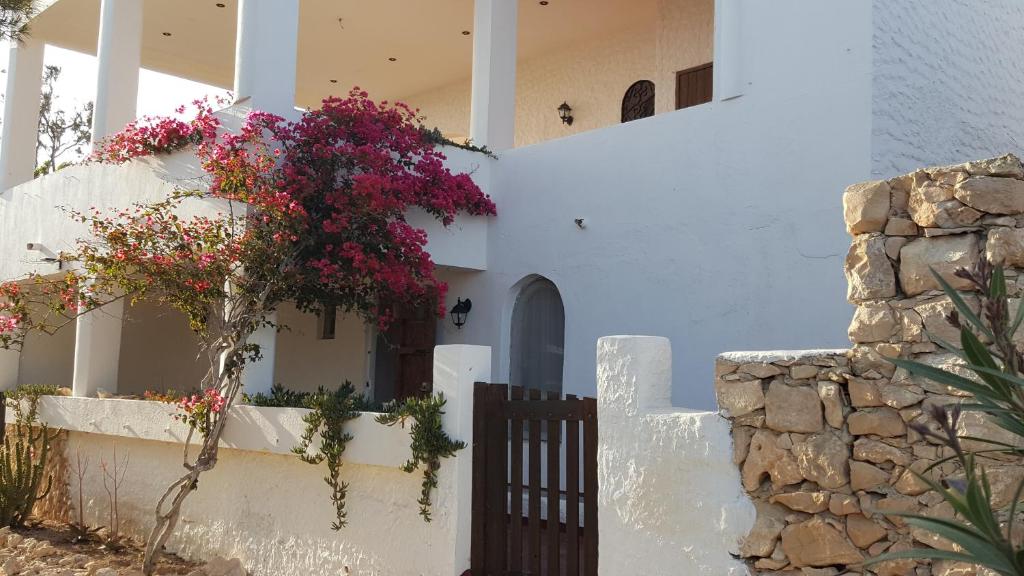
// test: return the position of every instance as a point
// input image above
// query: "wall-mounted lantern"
(461, 311)
(565, 113)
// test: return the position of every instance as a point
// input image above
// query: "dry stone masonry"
(824, 439)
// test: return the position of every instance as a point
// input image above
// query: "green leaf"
(940, 376)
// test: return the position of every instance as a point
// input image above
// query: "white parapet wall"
(262, 504)
(670, 500)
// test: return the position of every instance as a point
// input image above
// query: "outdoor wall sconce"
(460, 311)
(565, 113)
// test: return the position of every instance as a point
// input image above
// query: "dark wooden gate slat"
(477, 551)
(534, 463)
(590, 487)
(497, 455)
(572, 494)
(554, 426)
(516, 491)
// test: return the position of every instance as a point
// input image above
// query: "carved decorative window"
(638, 101)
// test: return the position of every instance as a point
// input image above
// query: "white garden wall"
(266, 507)
(669, 500)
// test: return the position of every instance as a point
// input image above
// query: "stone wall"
(823, 438)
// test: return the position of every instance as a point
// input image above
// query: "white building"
(717, 224)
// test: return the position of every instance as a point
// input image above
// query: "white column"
(492, 120)
(259, 376)
(98, 350)
(266, 50)
(457, 368)
(21, 113)
(119, 53)
(9, 363)
(728, 72)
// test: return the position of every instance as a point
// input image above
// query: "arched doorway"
(537, 337)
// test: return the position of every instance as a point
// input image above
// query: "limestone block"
(765, 457)
(866, 207)
(869, 273)
(900, 227)
(863, 393)
(933, 206)
(823, 458)
(899, 397)
(883, 421)
(792, 408)
(897, 503)
(1005, 246)
(760, 369)
(933, 316)
(816, 543)
(803, 372)
(872, 322)
(863, 532)
(1006, 165)
(864, 476)
(843, 504)
(739, 398)
(768, 525)
(832, 398)
(944, 254)
(893, 245)
(809, 502)
(868, 450)
(991, 194)
(909, 482)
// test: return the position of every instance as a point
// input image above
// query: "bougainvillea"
(314, 214)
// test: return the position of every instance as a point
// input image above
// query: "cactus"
(23, 460)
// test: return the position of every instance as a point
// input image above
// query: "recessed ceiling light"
(465, 32)
(220, 4)
(167, 33)
(392, 59)
(333, 81)
(543, 2)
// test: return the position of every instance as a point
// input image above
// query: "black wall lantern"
(460, 311)
(565, 113)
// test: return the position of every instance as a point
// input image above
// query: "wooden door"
(414, 335)
(694, 86)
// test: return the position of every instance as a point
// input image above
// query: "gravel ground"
(50, 550)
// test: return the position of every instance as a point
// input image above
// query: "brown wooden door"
(414, 335)
(694, 86)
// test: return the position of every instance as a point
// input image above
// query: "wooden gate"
(531, 472)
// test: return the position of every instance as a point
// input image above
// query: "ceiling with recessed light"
(393, 48)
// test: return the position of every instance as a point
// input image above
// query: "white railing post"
(21, 113)
(456, 369)
(119, 56)
(266, 51)
(492, 120)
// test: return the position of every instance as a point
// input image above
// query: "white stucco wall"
(947, 82)
(271, 510)
(719, 226)
(591, 76)
(158, 352)
(303, 361)
(670, 500)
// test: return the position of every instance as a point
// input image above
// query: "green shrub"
(23, 456)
